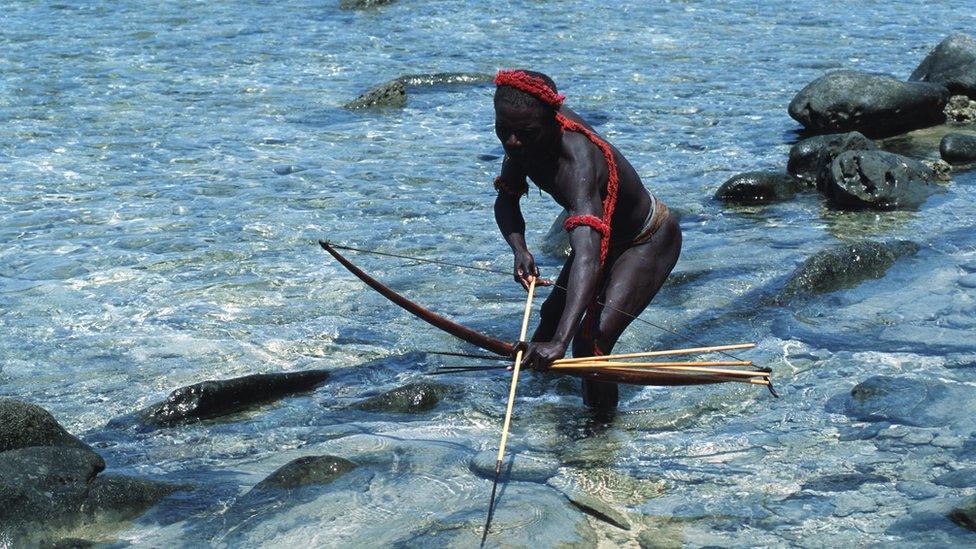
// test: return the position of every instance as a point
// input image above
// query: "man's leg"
(631, 282)
(552, 307)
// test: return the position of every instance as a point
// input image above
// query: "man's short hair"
(520, 99)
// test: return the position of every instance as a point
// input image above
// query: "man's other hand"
(540, 355)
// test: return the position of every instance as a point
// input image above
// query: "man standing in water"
(624, 242)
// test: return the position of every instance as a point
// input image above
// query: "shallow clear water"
(153, 236)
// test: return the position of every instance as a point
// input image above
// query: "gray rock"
(121, 498)
(362, 4)
(878, 180)
(411, 398)
(810, 158)
(306, 470)
(446, 78)
(958, 148)
(850, 503)
(898, 400)
(517, 467)
(392, 94)
(952, 64)
(963, 478)
(288, 169)
(67, 543)
(757, 188)
(44, 487)
(873, 104)
(556, 241)
(23, 424)
(941, 169)
(599, 509)
(916, 489)
(965, 515)
(211, 399)
(844, 266)
(961, 109)
(842, 482)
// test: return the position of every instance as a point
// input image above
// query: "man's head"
(526, 103)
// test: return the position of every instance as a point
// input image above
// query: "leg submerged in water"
(632, 281)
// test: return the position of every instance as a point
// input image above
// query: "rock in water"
(965, 515)
(598, 508)
(878, 180)
(757, 188)
(556, 241)
(914, 402)
(120, 498)
(23, 424)
(411, 398)
(306, 470)
(844, 266)
(391, 94)
(810, 158)
(517, 467)
(952, 64)
(873, 104)
(958, 148)
(211, 399)
(961, 109)
(362, 4)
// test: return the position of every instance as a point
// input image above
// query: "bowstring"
(506, 273)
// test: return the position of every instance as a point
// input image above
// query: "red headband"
(531, 85)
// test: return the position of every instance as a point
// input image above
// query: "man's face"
(525, 131)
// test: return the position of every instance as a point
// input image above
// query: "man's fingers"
(543, 282)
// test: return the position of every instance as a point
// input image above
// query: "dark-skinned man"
(624, 241)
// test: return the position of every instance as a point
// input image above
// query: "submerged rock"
(941, 169)
(958, 148)
(844, 266)
(362, 4)
(23, 424)
(517, 467)
(411, 398)
(810, 158)
(121, 498)
(757, 188)
(965, 515)
(391, 94)
(961, 109)
(873, 104)
(878, 180)
(842, 482)
(962, 478)
(306, 470)
(952, 64)
(211, 399)
(599, 509)
(899, 400)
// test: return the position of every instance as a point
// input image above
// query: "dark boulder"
(23, 424)
(119, 498)
(810, 158)
(758, 188)
(952, 64)
(913, 402)
(844, 266)
(306, 470)
(211, 399)
(842, 482)
(411, 398)
(392, 94)
(965, 515)
(873, 104)
(446, 78)
(878, 180)
(960, 478)
(958, 148)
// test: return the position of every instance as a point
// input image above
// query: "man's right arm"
(508, 216)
